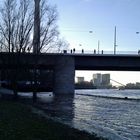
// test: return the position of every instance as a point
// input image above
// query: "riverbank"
(17, 121)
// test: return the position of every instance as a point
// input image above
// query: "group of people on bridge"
(82, 51)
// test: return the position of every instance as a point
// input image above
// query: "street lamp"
(115, 36)
(98, 43)
(138, 49)
(98, 46)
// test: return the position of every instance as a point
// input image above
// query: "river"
(113, 114)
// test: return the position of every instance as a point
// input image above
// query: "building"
(97, 79)
(80, 79)
(101, 80)
(105, 79)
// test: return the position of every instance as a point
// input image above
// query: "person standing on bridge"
(102, 51)
(138, 51)
(73, 50)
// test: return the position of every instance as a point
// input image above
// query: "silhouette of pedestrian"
(138, 51)
(82, 51)
(73, 50)
(94, 51)
(102, 51)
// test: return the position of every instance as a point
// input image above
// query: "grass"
(17, 122)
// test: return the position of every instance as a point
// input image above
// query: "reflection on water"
(60, 107)
(46, 98)
(108, 117)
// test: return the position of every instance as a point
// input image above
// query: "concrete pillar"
(64, 75)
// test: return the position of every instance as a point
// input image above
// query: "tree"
(16, 26)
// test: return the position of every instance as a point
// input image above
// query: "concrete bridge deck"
(124, 62)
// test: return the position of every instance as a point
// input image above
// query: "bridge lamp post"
(98, 41)
(115, 40)
(138, 34)
(90, 31)
(98, 46)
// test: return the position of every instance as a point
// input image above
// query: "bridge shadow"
(60, 108)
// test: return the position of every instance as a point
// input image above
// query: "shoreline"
(109, 97)
(29, 112)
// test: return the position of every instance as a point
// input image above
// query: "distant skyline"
(120, 76)
(78, 17)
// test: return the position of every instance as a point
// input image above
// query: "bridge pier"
(64, 73)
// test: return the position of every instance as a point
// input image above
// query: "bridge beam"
(64, 73)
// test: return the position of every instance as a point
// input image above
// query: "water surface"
(105, 112)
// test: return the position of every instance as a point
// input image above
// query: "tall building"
(101, 80)
(97, 79)
(105, 79)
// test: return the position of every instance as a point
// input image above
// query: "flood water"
(105, 112)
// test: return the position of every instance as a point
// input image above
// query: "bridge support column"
(64, 73)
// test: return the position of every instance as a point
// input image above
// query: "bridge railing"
(68, 51)
(101, 52)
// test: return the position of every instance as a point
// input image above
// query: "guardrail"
(74, 51)
(101, 52)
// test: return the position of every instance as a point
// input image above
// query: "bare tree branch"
(16, 26)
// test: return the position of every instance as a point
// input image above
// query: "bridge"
(118, 82)
(65, 64)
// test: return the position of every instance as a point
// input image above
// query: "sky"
(78, 17)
